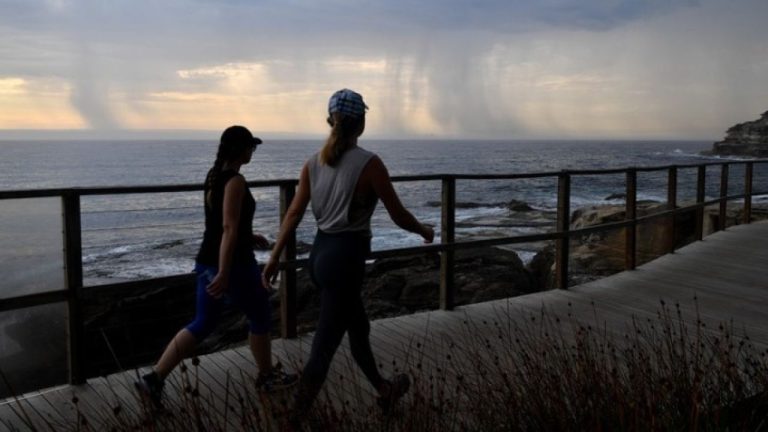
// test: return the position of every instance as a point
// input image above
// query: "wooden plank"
(345, 382)
(211, 378)
(639, 285)
(563, 225)
(105, 393)
(29, 412)
(395, 342)
(44, 401)
(645, 278)
(669, 282)
(448, 236)
(726, 286)
(288, 286)
(103, 401)
(711, 311)
(73, 275)
(709, 270)
(751, 249)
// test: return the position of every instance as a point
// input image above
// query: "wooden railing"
(562, 236)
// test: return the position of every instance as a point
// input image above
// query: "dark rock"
(388, 287)
(616, 196)
(601, 254)
(518, 206)
(460, 205)
(541, 267)
(602, 214)
(387, 265)
(491, 273)
(744, 139)
(420, 294)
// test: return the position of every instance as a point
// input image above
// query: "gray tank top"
(332, 191)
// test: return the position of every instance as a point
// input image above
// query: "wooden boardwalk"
(722, 279)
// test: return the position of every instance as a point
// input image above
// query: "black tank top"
(214, 221)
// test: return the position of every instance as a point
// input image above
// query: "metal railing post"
(73, 270)
(563, 244)
(288, 325)
(447, 236)
(671, 205)
(630, 232)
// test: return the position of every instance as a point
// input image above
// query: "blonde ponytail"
(344, 132)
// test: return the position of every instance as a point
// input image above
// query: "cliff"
(745, 139)
(597, 255)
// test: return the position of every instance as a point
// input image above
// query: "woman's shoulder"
(229, 176)
(361, 156)
(313, 159)
(374, 167)
(363, 151)
(312, 163)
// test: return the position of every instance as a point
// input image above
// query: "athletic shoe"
(276, 379)
(397, 388)
(150, 387)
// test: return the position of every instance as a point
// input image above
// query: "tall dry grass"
(507, 373)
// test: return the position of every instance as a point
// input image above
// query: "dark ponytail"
(234, 141)
(213, 174)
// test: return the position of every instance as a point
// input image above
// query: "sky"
(453, 69)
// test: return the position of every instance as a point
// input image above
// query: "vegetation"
(539, 372)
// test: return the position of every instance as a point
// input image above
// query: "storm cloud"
(445, 67)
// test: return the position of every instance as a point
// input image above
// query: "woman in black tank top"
(227, 272)
(337, 260)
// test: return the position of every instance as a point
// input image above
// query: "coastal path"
(719, 281)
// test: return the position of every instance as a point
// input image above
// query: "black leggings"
(337, 268)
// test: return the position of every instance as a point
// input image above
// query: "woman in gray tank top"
(344, 183)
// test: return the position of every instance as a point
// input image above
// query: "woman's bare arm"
(233, 198)
(292, 218)
(379, 179)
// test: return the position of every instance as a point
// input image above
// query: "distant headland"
(744, 139)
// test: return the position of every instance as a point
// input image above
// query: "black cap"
(239, 135)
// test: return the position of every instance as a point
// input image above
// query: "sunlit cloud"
(375, 67)
(253, 93)
(12, 86)
(229, 71)
(36, 104)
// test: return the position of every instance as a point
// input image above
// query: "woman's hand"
(428, 233)
(269, 274)
(260, 242)
(218, 285)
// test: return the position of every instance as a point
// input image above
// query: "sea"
(141, 236)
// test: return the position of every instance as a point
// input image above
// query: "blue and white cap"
(348, 102)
